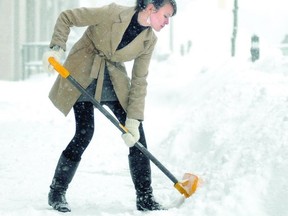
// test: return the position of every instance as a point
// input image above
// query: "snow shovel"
(190, 181)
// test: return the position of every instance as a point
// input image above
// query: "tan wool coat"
(97, 48)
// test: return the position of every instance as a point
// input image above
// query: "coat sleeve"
(79, 17)
(138, 89)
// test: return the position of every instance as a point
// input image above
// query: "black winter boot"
(64, 173)
(141, 176)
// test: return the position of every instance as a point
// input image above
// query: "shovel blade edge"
(188, 185)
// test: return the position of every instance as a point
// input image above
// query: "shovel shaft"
(65, 74)
(97, 104)
(156, 162)
(122, 129)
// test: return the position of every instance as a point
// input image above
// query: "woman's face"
(160, 18)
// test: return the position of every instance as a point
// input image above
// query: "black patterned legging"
(84, 118)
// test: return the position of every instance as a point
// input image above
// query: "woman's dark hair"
(142, 4)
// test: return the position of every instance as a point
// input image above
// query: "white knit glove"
(57, 54)
(133, 135)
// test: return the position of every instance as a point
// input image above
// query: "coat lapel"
(119, 27)
(134, 48)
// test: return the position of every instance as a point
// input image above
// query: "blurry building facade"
(26, 29)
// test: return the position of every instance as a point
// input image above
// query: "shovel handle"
(65, 74)
(58, 67)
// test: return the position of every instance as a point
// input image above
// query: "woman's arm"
(78, 17)
(138, 89)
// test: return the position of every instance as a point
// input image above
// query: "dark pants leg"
(139, 166)
(84, 118)
(71, 156)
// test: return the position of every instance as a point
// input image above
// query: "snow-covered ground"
(224, 119)
(226, 122)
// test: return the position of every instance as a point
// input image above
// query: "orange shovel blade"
(188, 185)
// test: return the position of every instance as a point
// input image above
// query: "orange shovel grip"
(58, 67)
(123, 128)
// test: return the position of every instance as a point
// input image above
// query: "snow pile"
(229, 126)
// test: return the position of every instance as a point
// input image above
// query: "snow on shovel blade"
(188, 185)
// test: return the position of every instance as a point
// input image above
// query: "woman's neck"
(142, 18)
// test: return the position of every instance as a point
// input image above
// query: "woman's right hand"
(57, 53)
(133, 135)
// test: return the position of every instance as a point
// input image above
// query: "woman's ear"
(150, 8)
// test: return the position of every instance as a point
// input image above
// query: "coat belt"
(97, 71)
